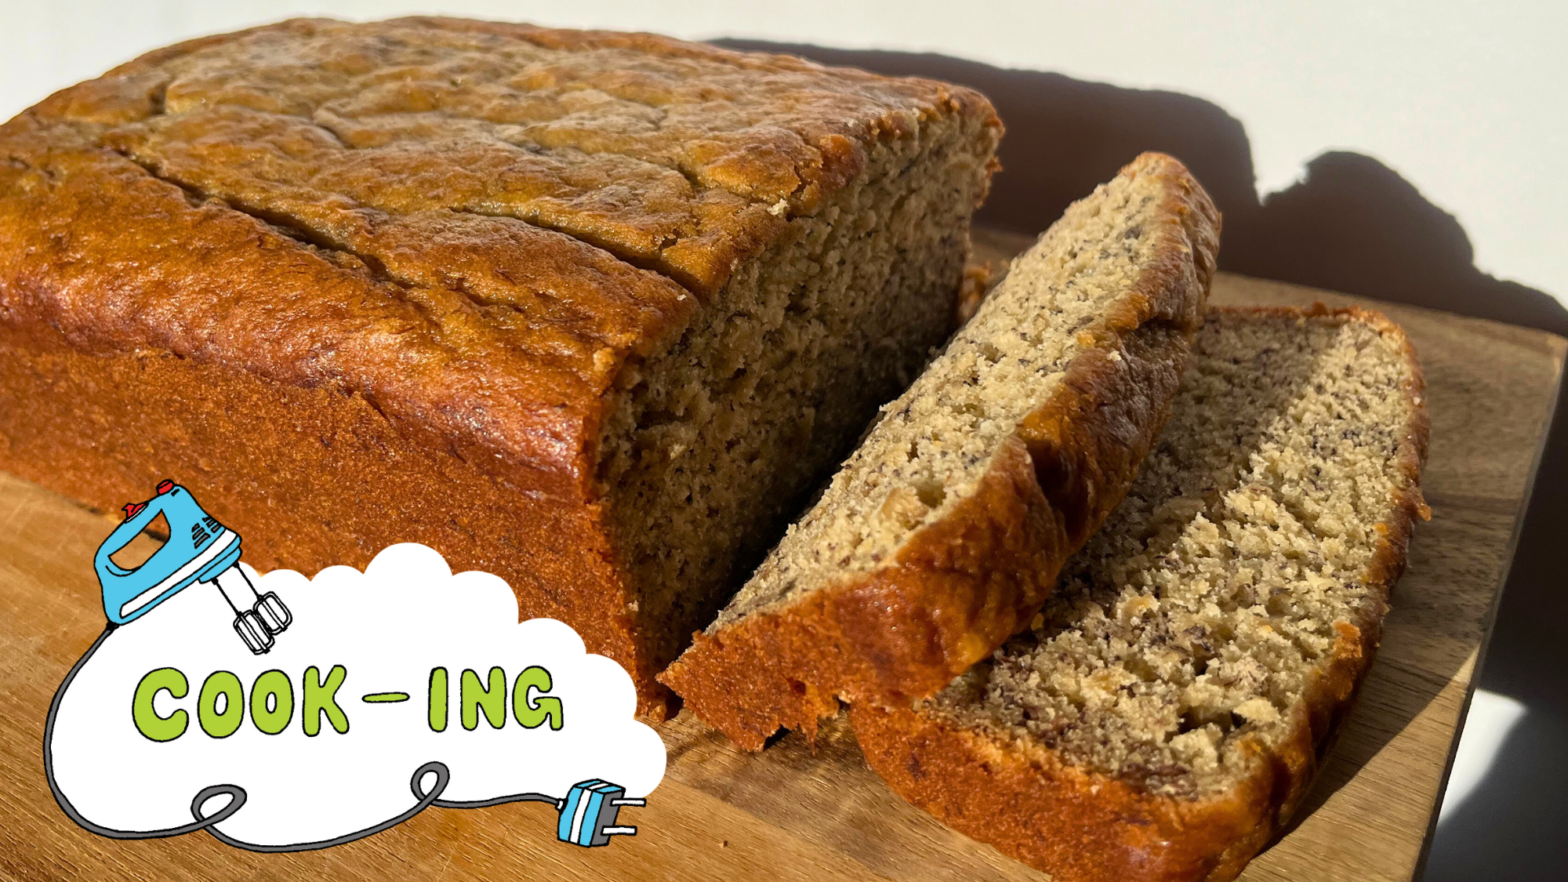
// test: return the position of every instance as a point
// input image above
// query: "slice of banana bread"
(590, 311)
(942, 534)
(1162, 717)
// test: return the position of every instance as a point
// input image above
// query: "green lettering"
(322, 698)
(531, 712)
(152, 726)
(272, 688)
(491, 698)
(438, 699)
(221, 725)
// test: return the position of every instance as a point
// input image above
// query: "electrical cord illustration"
(587, 815)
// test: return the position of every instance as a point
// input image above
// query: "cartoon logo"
(396, 689)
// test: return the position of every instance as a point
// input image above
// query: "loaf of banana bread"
(942, 535)
(1164, 714)
(586, 310)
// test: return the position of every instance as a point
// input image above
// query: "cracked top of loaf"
(473, 225)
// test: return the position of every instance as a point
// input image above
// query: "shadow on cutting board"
(1352, 225)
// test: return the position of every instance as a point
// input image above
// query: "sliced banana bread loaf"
(590, 311)
(1161, 719)
(942, 534)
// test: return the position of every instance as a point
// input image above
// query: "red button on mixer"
(132, 509)
(165, 486)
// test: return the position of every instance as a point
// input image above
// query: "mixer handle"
(127, 530)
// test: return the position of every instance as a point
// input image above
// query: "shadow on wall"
(1352, 225)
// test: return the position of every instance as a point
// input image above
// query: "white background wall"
(1466, 100)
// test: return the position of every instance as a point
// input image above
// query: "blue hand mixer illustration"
(199, 549)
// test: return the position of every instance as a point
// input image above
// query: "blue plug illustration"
(589, 812)
(199, 550)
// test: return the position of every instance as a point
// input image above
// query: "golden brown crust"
(461, 231)
(107, 428)
(962, 586)
(678, 157)
(1082, 826)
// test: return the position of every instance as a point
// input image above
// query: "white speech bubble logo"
(388, 628)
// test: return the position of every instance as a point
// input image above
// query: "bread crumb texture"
(721, 436)
(930, 447)
(1197, 617)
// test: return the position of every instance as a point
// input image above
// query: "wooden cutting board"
(791, 813)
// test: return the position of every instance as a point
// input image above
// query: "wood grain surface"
(794, 813)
